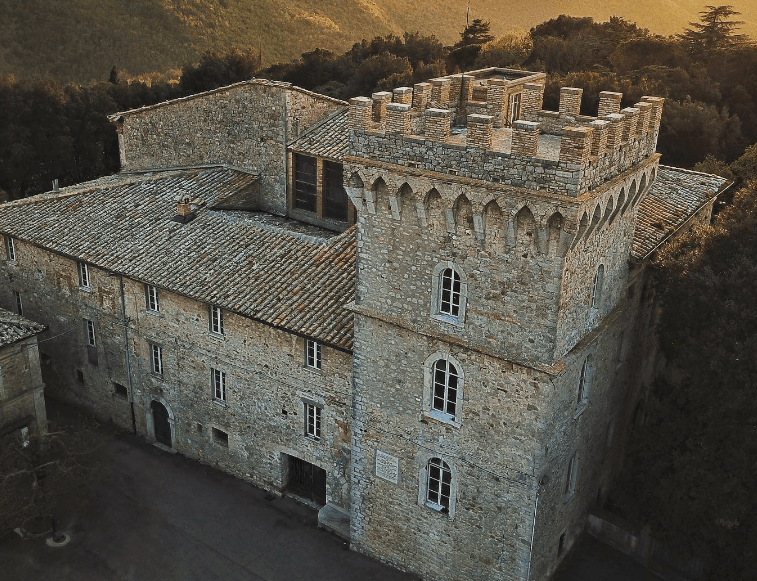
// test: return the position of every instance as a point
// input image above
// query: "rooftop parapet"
(486, 110)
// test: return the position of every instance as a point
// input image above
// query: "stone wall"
(21, 387)
(266, 378)
(246, 125)
(487, 534)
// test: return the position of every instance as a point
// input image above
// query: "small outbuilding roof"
(14, 328)
(674, 197)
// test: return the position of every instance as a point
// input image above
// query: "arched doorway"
(161, 423)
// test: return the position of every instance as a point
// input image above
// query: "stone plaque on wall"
(387, 467)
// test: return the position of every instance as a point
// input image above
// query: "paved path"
(158, 516)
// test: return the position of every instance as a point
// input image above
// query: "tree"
(42, 475)
(691, 473)
(217, 69)
(472, 38)
(510, 49)
(714, 31)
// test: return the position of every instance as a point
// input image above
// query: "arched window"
(449, 301)
(582, 399)
(449, 294)
(445, 388)
(438, 484)
(596, 294)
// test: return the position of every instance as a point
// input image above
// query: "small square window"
(220, 437)
(10, 249)
(312, 354)
(83, 275)
(156, 359)
(90, 329)
(216, 320)
(120, 391)
(151, 299)
(19, 304)
(312, 421)
(218, 383)
(199, 428)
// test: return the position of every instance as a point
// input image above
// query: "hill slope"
(79, 40)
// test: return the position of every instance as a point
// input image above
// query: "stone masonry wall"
(246, 125)
(490, 454)
(266, 377)
(21, 387)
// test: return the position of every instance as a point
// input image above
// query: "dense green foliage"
(691, 473)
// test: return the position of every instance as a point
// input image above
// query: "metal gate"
(307, 480)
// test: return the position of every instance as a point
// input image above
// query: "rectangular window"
(570, 482)
(151, 298)
(156, 359)
(83, 275)
(10, 249)
(216, 320)
(221, 437)
(90, 327)
(305, 196)
(19, 304)
(218, 382)
(334, 195)
(312, 354)
(313, 421)
(515, 107)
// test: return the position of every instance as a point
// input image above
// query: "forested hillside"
(80, 40)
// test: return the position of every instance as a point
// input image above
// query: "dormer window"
(317, 192)
(305, 183)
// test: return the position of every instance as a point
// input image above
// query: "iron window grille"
(218, 380)
(216, 320)
(438, 484)
(445, 387)
(151, 296)
(313, 421)
(312, 354)
(83, 275)
(10, 249)
(156, 359)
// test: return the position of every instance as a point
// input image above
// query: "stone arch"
(406, 203)
(640, 191)
(643, 183)
(621, 201)
(608, 212)
(355, 181)
(494, 227)
(595, 219)
(554, 233)
(150, 417)
(582, 226)
(463, 212)
(525, 231)
(631, 195)
(434, 207)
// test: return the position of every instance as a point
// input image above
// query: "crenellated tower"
(493, 243)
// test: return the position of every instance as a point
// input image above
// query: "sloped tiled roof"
(674, 196)
(272, 269)
(16, 328)
(329, 138)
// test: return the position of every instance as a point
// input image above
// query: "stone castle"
(423, 312)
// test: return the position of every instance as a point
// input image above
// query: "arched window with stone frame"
(437, 485)
(449, 294)
(443, 389)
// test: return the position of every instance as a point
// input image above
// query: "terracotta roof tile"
(329, 138)
(674, 196)
(262, 266)
(15, 328)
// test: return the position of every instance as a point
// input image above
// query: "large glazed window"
(449, 302)
(305, 183)
(445, 388)
(439, 485)
(334, 195)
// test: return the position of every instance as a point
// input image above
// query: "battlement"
(490, 125)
